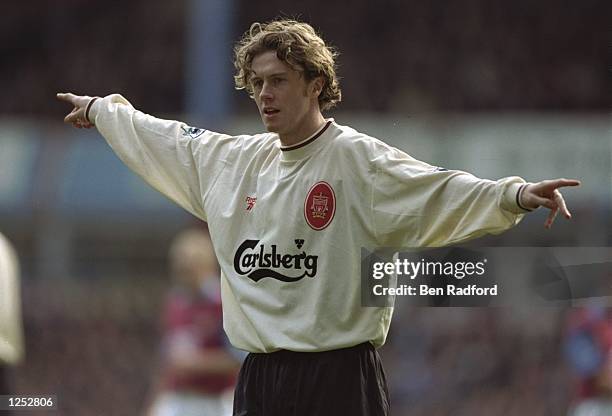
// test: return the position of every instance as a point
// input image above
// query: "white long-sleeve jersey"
(288, 224)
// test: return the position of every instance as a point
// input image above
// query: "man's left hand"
(546, 194)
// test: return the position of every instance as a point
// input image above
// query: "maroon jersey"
(194, 319)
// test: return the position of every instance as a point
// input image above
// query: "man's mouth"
(268, 111)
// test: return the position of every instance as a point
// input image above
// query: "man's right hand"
(77, 116)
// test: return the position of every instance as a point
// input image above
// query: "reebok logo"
(250, 201)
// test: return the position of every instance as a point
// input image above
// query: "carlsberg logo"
(257, 262)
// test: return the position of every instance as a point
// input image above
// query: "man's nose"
(265, 94)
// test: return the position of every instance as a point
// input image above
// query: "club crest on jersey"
(320, 206)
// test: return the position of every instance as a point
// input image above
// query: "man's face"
(286, 102)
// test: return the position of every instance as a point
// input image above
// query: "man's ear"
(317, 85)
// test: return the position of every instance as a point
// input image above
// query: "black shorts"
(349, 381)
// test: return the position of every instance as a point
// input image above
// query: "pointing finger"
(69, 97)
(558, 183)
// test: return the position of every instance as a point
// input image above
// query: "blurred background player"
(588, 347)
(197, 371)
(11, 331)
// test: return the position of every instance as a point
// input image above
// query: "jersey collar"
(307, 146)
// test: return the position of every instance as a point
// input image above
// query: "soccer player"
(290, 209)
(588, 346)
(196, 368)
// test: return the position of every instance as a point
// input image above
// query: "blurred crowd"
(476, 361)
(95, 345)
(396, 56)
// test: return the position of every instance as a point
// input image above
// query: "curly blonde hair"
(298, 45)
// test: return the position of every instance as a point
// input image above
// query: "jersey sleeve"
(180, 161)
(415, 204)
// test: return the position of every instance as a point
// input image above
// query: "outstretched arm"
(418, 205)
(546, 193)
(180, 161)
